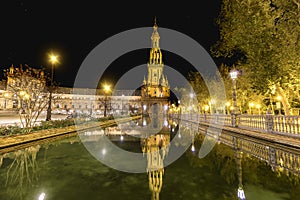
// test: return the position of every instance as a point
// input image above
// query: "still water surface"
(64, 170)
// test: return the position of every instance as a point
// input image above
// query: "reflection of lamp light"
(42, 196)
(121, 138)
(166, 123)
(241, 194)
(193, 148)
(103, 151)
(166, 107)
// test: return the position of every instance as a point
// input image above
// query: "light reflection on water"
(63, 169)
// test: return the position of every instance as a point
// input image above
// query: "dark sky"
(73, 28)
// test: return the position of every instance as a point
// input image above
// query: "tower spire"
(155, 24)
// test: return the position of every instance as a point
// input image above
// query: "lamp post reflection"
(239, 154)
(241, 193)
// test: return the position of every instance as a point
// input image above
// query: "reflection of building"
(21, 173)
(155, 90)
(156, 147)
(280, 158)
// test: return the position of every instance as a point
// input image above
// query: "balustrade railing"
(280, 124)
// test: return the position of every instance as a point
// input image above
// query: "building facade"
(22, 82)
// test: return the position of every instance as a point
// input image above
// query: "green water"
(65, 170)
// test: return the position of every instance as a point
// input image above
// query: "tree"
(263, 37)
(27, 88)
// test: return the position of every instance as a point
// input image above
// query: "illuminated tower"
(155, 88)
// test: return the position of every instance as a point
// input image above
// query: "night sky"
(29, 31)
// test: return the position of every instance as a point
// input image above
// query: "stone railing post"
(269, 121)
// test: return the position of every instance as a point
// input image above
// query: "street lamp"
(278, 103)
(258, 106)
(53, 59)
(233, 75)
(6, 96)
(251, 105)
(227, 107)
(106, 90)
(122, 110)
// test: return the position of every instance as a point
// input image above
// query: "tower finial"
(155, 24)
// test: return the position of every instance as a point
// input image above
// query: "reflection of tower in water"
(156, 148)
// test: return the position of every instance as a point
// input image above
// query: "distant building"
(65, 100)
(22, 81)
(2, 92)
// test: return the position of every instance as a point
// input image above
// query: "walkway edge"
(14, 140)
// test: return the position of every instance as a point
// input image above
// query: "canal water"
(65, 169)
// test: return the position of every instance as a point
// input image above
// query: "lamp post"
(227, 107)
(278, 104)
(258, 106)
(53, 59)
(6, 96)
(251, 105)
(233, 75)
(122, 110)
(106, 90)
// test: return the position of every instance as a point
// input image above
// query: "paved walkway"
(13, 118)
